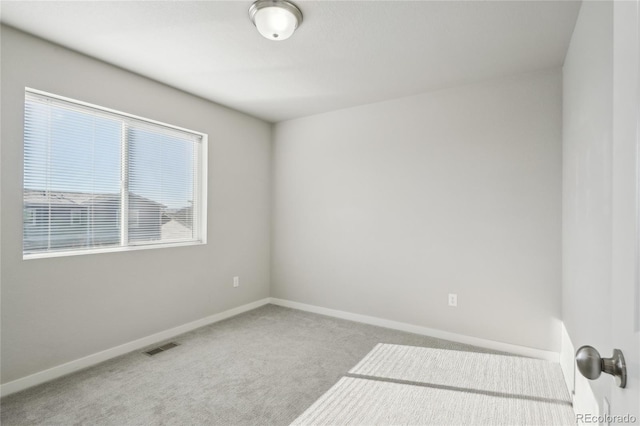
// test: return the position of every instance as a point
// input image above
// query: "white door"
(626, 201)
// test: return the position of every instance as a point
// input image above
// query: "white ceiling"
(345, 53)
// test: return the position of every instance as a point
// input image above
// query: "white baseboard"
(401, 326)
(88, 361)
(93, 359)
(567, 363)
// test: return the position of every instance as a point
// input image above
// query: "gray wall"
(60, 309)
(587, 180)
(384, 209)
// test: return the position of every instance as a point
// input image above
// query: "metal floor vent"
(165, 347)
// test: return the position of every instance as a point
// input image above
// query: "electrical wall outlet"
(236, 281)
(453, 299)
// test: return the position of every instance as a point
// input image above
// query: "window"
(100, 180)
(29, 216)
(76, 216)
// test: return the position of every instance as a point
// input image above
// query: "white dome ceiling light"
(275, 19)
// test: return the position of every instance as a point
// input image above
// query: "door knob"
(591, 365)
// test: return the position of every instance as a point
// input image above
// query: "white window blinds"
(95, 179)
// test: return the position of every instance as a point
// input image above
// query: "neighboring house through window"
(101, 180)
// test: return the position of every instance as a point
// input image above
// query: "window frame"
(200, 187)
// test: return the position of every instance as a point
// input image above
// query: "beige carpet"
(397, 384)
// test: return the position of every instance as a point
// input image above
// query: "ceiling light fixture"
(275, 19)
